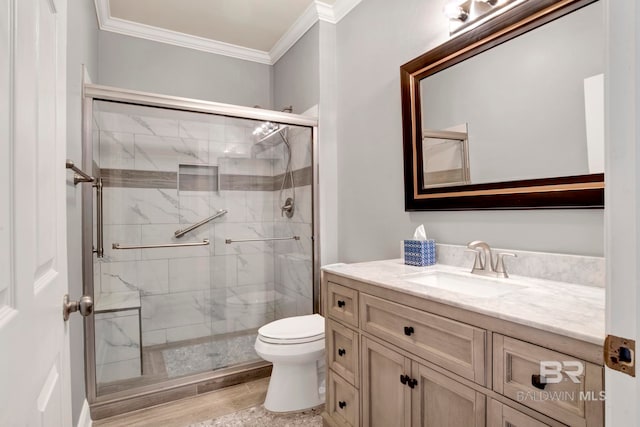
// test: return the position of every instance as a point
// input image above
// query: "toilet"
(295, 346)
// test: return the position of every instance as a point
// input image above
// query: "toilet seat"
(293, 330)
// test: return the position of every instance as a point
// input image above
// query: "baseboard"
(85, 416)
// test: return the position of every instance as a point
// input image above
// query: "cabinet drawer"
(342, 348)
(343, 401)
(455, 346)
(572, 398)
(501, 415)
(342, 304)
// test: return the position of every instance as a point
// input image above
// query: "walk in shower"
(201, 224)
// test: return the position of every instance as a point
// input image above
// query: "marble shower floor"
(214, 354)
(168, 361)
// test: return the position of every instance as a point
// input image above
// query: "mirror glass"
(532, 107)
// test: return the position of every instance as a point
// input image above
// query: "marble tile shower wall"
(293, 259)
(186, 292)
(198, 291)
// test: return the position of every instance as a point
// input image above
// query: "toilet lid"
(292, 330)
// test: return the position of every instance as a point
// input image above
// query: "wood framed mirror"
(510, 114)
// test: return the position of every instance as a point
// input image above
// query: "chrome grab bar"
(229, 241)
(79, 175)
(205, 242)
(180, 233)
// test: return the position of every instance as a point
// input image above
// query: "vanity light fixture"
(464, 15)
(454, 11)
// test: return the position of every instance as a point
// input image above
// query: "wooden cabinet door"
(439, 401)
(386, 401)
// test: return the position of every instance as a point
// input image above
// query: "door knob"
(84, 306)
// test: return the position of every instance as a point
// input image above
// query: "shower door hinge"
(620, 354)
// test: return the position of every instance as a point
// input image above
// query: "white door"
(34, 347)
(622, 201)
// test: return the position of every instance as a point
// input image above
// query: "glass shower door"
(171, 306)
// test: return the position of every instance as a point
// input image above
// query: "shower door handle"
(81, 176)
(99, 250)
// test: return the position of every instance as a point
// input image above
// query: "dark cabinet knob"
(342, 352)
(408, 330)
(538, 381)
(406, 380)
(342, 404)
(341, 303)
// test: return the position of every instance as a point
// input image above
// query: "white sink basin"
(471, 285)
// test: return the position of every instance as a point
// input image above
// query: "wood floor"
(184, 412)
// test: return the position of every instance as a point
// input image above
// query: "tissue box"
(420, 252)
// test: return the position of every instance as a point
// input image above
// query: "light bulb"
(454, 11)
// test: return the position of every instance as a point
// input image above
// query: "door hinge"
(620, 354)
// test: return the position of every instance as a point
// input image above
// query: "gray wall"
(328, 145)
(295, 75)
(82, 48)
(148, 66)
(373, 40)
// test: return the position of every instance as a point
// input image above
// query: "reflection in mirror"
(445, 157)
(533, 105)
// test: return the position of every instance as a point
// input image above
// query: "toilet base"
(293, 388)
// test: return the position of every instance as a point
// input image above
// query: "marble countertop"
(571, 310)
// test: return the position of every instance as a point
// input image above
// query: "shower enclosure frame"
(191, 385)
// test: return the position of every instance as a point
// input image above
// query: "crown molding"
(148, 32)
(324, 11)
(305, 21)
(342, 7)
(317, 11)
(334, 13)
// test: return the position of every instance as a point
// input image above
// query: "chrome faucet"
(483, 262)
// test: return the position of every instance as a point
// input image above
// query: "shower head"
(267, 130)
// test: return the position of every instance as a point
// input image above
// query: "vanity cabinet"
(398, 360)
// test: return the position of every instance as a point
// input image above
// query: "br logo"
(552, 371)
